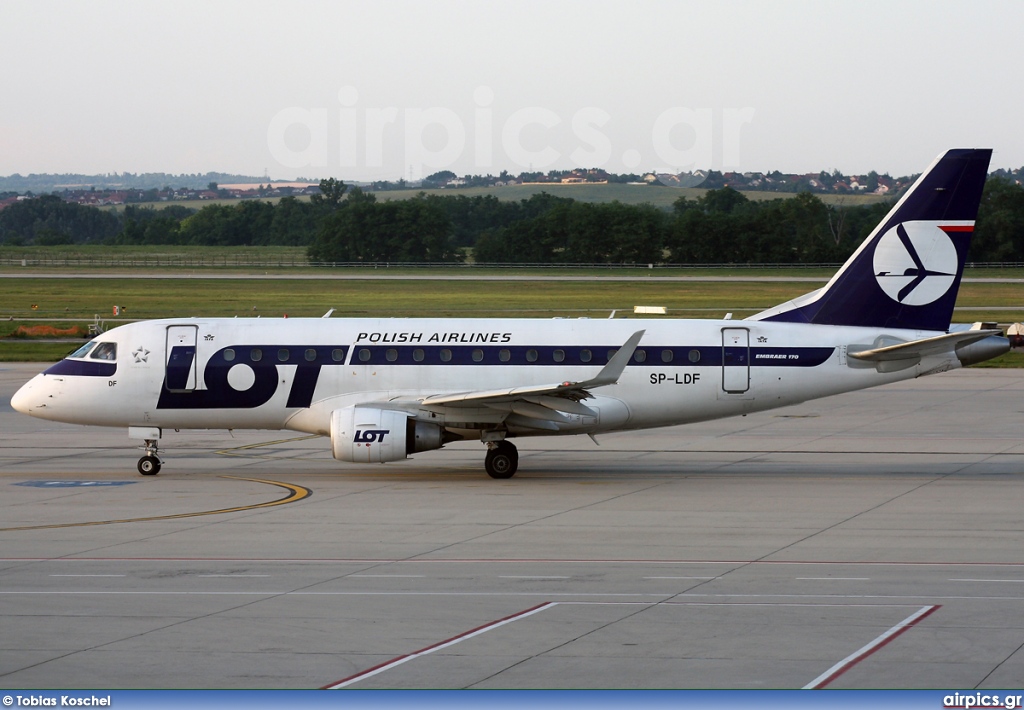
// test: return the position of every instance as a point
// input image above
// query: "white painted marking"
(833, 579)
(909, 599)
(390, 576)
(528, 576)
(682, 577)
(87, 575)
(445, 644)
(1017, 581)
(866, 650)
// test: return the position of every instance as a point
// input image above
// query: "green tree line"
(352, 225)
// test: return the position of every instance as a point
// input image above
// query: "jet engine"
(371, 435)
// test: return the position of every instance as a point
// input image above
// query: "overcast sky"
(382, 90)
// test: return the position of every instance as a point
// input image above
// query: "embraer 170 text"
(383, 389)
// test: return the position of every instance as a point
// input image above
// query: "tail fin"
(907, 272)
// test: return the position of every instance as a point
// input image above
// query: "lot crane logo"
(915, 263)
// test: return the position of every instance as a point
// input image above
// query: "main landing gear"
(502, 459)
(149, 465)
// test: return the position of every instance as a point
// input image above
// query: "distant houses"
(104, 198)
(773, 181)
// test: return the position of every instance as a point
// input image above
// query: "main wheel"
(502, 461)
(149, 465)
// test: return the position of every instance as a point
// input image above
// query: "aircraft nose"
(26, 397)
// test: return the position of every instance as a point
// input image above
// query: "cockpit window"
(83, 351)
(105, 351)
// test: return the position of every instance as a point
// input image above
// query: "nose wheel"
(502, 460)
(149, 465)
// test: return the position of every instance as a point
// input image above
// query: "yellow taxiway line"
(295, 493)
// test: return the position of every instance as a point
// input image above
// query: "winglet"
(611, 372)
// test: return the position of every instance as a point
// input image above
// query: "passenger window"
(105, 351)
(478, 355)
(611, 354)
(364, 355)
(504, 355)
(283, 355)
(446, 355)
(531, 355)
(255, 354)
(338, 355)
(585, 355)
(639, 356)
(558, 355)
(310, 354)
(391, 354)
(229, 355)
(667, 355)
(417, 355)
(693, 356)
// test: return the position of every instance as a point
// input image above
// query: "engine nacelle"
(371, 435)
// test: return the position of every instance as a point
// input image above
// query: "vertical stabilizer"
(907, 272)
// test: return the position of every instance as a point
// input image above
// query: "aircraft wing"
(542, 406)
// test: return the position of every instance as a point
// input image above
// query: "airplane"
(383, 389)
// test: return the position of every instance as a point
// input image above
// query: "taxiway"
(869, 540)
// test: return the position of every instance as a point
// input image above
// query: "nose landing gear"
(149, 465)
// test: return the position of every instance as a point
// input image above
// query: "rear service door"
(735, 360)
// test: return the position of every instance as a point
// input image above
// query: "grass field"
(63, 302)
(115, 260)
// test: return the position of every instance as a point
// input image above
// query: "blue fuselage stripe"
(682, 356)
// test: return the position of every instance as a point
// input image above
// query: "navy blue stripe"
(179, 365)
(281, 355)
(83, 368)
(702, 356)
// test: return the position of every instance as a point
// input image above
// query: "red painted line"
(387, 665)
(958, 228)
(850, 661)
(549, 560)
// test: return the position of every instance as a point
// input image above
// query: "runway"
(869, 540)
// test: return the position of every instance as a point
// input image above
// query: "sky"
(403, 89)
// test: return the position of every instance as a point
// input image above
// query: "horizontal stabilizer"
(916, 349)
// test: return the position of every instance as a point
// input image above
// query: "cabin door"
(181, 358)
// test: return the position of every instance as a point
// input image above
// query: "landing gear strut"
(502, 459)
(149, 465)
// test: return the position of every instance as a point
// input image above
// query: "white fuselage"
(292, 373)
